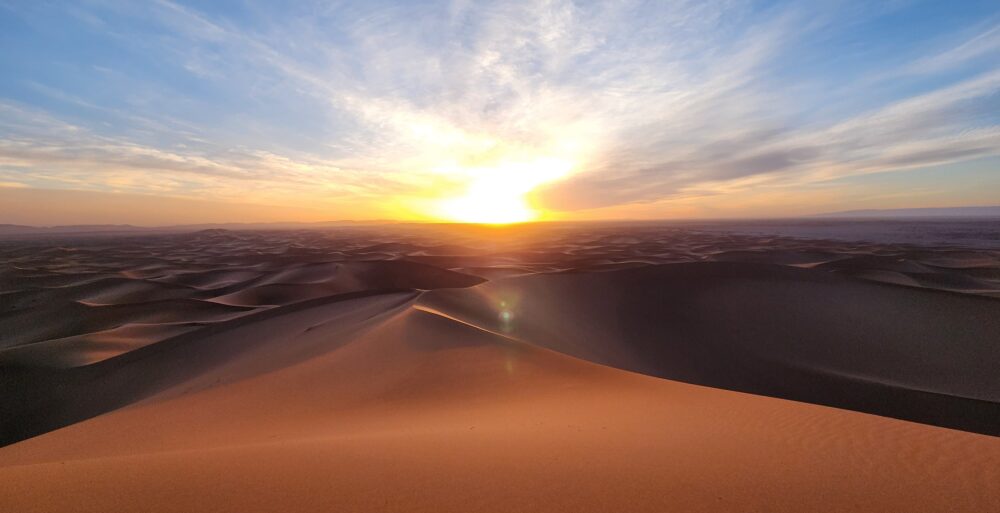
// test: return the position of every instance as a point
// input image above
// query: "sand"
(579, 370)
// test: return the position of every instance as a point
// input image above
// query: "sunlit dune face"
(498, 194)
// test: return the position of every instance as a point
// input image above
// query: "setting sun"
(497, 194)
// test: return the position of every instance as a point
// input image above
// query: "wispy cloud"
(357, 102)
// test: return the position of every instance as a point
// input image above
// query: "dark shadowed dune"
(800, 334)
(318, 280)
(91, 347)
(63, 319)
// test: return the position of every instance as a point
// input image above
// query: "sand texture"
(533, 368)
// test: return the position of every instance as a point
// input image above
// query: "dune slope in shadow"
(801, 334)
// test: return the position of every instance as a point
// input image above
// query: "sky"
(170, 112)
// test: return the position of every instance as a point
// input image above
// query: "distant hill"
(918, 212)
(16, 230)
(82, 228)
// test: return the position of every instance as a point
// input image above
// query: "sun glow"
(497, 194)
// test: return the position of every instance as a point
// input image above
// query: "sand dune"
(319, 280)
(91, 347)
(912, 354)
(58, 319)
(282, 371)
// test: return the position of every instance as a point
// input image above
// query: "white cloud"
(651, 99)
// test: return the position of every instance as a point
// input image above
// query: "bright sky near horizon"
(164, 112)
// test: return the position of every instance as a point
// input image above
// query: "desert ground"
(549, 367)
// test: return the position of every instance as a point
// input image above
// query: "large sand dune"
(913, 354)
(310, 371)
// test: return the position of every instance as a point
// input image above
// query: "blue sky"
(379, 109)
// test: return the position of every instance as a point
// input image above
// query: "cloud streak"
(354, 103)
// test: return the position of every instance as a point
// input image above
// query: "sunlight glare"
(497, 195)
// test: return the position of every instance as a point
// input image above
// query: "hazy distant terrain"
(953, 232)
(973, 231)
(966, 212)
